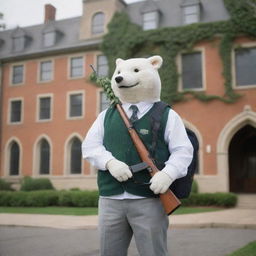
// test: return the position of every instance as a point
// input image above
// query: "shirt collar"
(142, 106)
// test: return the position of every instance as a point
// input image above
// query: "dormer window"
(49, 39)
(150, 20)
(18, 43)
(98, 23)
(191, 12)
(19, 40)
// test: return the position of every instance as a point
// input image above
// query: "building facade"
(48, 102)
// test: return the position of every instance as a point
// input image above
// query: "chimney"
(49, 13)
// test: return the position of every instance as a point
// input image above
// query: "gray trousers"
(119, 220)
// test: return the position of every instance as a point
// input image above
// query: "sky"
(31, 12)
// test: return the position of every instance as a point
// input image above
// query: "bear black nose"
(119, 79)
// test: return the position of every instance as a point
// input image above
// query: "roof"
(68, 28)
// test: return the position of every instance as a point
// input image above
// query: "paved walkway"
(229, 218)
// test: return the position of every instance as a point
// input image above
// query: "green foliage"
(248, 250)
(45, 198)
(127, 40)
(211, 199)
(4, 185)
(194, 188)
(28, 184)
(104, 83)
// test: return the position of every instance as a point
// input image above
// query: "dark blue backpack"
(180, 187)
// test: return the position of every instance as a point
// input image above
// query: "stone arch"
(67, 154)
(247, 117)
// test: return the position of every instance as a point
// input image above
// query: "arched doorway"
(242, 160)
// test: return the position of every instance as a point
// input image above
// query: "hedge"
(211, 199)
(4, 185)
(45, 198)
(29, 184)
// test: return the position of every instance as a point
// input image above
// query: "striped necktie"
(134, 115)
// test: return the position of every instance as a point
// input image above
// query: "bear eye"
(136, 70)
(118, 72)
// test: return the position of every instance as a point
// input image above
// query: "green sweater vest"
(117, 140)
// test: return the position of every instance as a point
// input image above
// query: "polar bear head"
(136, 80)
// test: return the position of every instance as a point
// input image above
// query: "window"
(15, 111)
(98, 23)
(150, 20)
(191, 66)
(49, 39)
(102, 65)
(44, 157)
(75, 157)
(17, 74)
(245, 66)
(19, 43)
(76, 67)
(191, 14)
(45, 70)
(45, 108)
(104, 101)
(14, 161)
(75, 105)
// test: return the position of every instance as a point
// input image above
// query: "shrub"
(211, 199)
(4, 185)
(30, 184)
(42, 198)
(194, 188)
(65, 198)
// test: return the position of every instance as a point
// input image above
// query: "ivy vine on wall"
(128, 40)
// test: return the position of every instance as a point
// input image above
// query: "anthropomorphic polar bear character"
(127, 206)
(137, 80)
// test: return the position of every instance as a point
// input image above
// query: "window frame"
(197, 13)
(39, 76)
(156, 20)
(102, 25)
(233, 59)
(8, 155)
(98, 65)
(9, 121)
(12, 74)
(70, 67)
(179, 66)
(39, 97)
(69, 94)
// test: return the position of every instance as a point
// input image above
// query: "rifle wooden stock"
(169, 200)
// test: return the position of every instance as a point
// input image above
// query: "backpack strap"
(155, 119)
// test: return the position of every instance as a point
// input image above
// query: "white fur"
(145, 84)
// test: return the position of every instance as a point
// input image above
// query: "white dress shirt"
(180, 147)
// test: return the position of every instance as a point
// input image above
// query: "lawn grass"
(248, 250)
(82, 211)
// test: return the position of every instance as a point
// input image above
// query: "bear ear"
(156, 61)
(118, 61)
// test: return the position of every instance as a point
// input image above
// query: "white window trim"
(198, 13)
(98, 110)
(66, 162)
(69, 93)
(11, 74)
(7, 158)
(104, 24)
(69, 66)
(179, 67)
(233, 56)
(40, 96)
(39, 81)
(36, 157)
(9, 111)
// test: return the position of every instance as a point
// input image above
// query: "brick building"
(48, 103)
